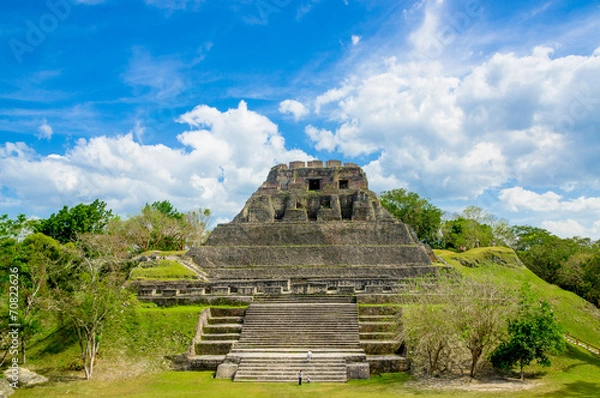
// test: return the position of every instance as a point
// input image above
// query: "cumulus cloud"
(223, 158)
(562, 216)
(570, 228)
(322, 138)
(45, 130)
(293, 107)
(509, 118)
(518, 198)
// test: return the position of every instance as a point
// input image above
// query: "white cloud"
(293, 107)
(509, 118)
(355, 39)
(322, 138)
(570, 228)
(45, 130)
(224, 157)
(518, 198)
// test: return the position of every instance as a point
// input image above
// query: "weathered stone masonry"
(310, 228)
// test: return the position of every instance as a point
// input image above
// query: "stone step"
(299, 344)
(377, 336)
(378, 310)
(277, 334)
(293, 352)
(376, 318)
(221, 336)
(222, 328)
(304, 299)
(225, 320)
(287, 369)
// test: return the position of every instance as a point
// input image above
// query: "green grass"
(164, 270)
(575, 373)
(141, 337)
(577, 316)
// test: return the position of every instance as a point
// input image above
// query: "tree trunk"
(23, 354)
(521, 364)
(474, 359)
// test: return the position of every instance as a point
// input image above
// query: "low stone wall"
(314, 233)
(388, 364)
(241, 256)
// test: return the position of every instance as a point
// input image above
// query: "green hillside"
(578, 317)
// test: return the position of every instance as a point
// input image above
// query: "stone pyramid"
(311, 228)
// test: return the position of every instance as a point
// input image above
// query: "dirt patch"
(468, 384)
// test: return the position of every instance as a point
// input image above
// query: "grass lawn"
(164, 270)
(576, 373)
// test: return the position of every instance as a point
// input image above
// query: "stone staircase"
(379, 337)
(278, 332)
(217, 332)
(284, 367)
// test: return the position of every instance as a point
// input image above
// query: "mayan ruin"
(309, 245)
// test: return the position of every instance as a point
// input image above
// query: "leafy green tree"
(92, 296)
(591, 278)
(412, 209)
(467, 233)
(65, 225)
(16, 228)
(167, 208)
(531, 335)
(542, 252)
(162, 227)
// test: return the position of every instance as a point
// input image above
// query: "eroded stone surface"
(310, 228)
(226, 370)
(309, 192)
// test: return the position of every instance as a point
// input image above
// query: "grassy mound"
(162, 270)
(576, 315)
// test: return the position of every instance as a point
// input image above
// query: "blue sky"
(495, 104)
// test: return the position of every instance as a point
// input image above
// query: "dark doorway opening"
(314, 185)
(343, 184)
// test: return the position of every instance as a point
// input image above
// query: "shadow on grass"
(576, 389)
(56, 342)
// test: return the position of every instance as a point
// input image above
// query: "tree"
(16, 228)
(466, 233)
(479, 315)
(411, 209)
(591, 278)
(40, 258)
(455, 320)
(426, 327)
(532, 334)
(162, 227)
(542, 252)
(65, 225)
(91, 297)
